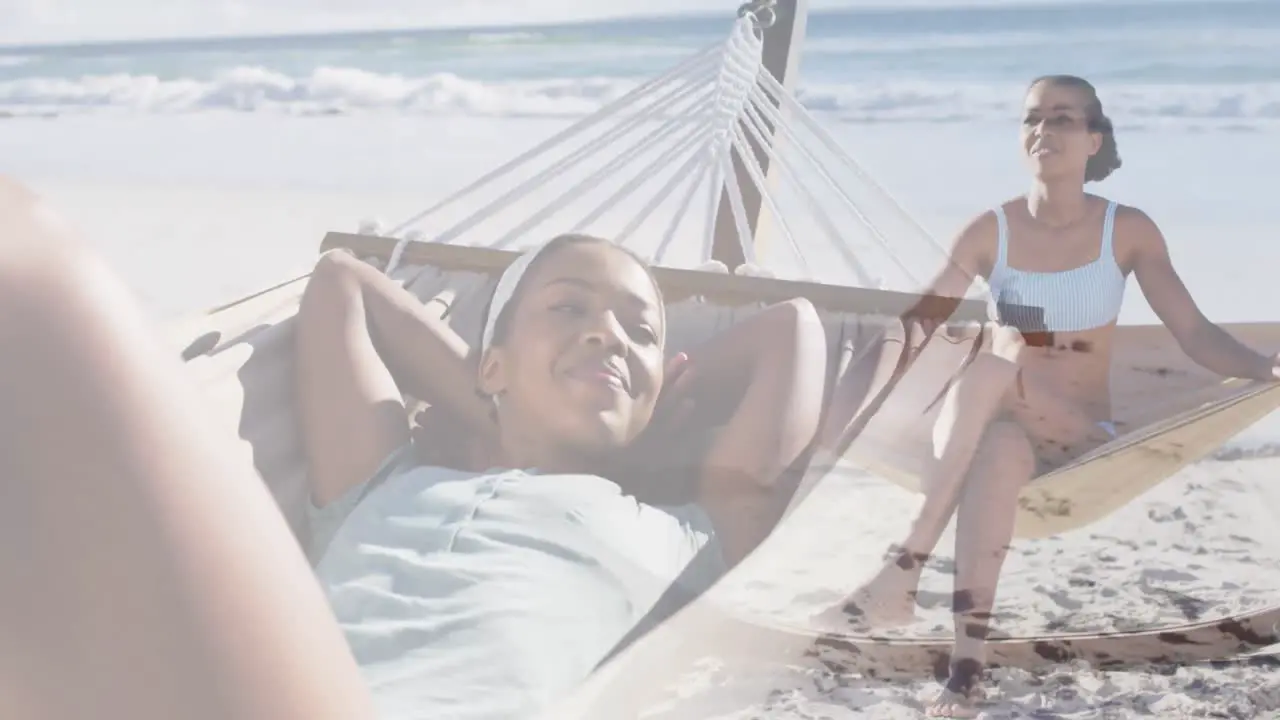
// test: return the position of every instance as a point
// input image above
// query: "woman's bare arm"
(1204, 342)
(776, 363)
(425, 356)
(967, 259)
(363, 342)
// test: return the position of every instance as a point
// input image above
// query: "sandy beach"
(1201, 545)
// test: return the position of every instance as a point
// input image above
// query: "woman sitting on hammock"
(148, 576)
(1041, 397)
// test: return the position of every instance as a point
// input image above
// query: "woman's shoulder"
(1134, 234)
(987, 221)
(1131, 214)
(1123, 211)
(979, 234)
(1134, 226)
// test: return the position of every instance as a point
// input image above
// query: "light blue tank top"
(490, 596)
(1082, 298)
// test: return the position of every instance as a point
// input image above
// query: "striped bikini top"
(1082, 298)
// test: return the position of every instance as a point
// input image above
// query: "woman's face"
(580, 366)
(1056, 139)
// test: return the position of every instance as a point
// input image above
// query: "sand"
(1200, 546)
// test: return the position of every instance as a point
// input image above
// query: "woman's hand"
(675, 402)
(662, 463)
(441, 439)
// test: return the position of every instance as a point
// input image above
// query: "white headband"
(502, 292)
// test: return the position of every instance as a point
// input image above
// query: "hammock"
(241, 355)
(1171, 415)
(689, 150)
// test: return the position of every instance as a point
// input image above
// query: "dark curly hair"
(1107, 159)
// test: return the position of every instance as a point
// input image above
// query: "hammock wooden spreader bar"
(677, 283)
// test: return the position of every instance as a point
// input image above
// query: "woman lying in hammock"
(1042, 396)
(147, 576)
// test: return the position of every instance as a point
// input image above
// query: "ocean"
(1209, 65)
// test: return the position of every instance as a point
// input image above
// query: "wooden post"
(781, 54)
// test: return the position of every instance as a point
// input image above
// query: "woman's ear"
(490, 374)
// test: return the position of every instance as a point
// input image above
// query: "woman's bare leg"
(146, 573)
(1043, 426)
(969, 406)
(985, 519)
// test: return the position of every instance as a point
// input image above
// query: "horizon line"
(876, 7)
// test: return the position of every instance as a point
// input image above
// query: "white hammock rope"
(781, 126)
(696, 177)
(778, 93)
(765, 105)
(703, 61)
(693, 133)
(757, 175)
(707, 55)
(758, 129)
(691, 167)
(714, 193)
(737, 205)
(588, 150)
(727, 73)
(633, 170)
(693, 141)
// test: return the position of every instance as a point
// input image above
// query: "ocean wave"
(1126, 104)
(338, 90)
(1122, 38)
(505, 38)
(326, 90)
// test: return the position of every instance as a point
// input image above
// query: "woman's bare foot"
(961, 694)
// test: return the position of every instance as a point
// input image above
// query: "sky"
(57, 21)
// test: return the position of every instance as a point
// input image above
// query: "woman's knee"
(980, 391)
(37, 255)
(50, 283)
(333, 266)
(994, 371)
(58, 288)
(1003, 342)
(1005, 445)
(332, 281)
